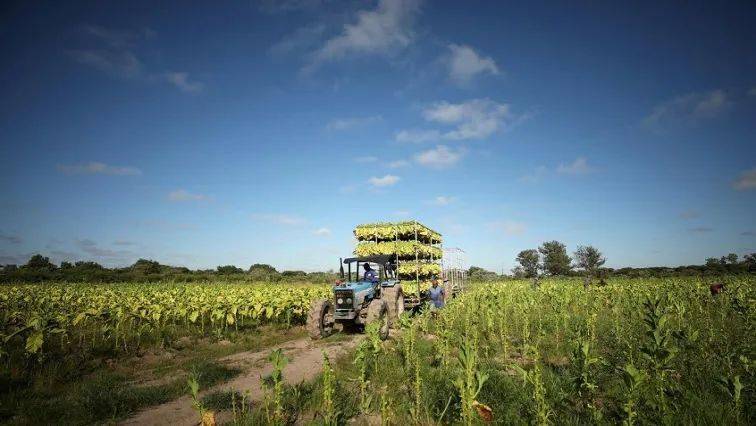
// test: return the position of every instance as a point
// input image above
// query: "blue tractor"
(368, 295)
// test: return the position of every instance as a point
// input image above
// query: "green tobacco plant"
(534, 378)
(193, 385)
(733, 387)
(328, 408)
(634, 380)
(362, 361)
(659, 351)
(470, 380)
(279, 362)
(583, 360)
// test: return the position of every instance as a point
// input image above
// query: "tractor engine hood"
(357, 291)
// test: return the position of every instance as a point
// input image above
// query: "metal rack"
(454, 268)
(417, 226)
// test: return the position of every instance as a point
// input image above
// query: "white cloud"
(465, 63)
(366, 159)
(398, 164)
(180, 195)
(275, 7)
(349, 123)
(509, 227)
(322, 232)
(278, 219)
(443, 200)
(93, 249)
(474, 119)
(115, 54)
(439, 157)
(303, 38)
(687, 110)
(121, 63)
(387, 180)
(181, 80)
(384, 29)
(12, 239)
(536, 176)
(578, 167)
(94, 167)
(118, 38)
(417, 136)
(746, 181)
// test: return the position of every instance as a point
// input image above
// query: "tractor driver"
(369, 274)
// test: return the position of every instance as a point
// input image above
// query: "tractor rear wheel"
(394, 297)
(320, 319)
(378, 313)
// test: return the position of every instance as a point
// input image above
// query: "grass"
(105, 396)
(86, 390)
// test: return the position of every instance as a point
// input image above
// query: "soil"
(305, 362)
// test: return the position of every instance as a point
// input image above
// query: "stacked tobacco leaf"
(416, 247)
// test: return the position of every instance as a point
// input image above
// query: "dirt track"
(305, 362)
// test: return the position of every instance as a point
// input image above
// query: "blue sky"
(202, 135)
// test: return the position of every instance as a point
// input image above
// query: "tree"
(89, 266)
(518, 272)
(712, 262)
(40, 263)
(262, 268)
(476, 273)
(589, 259)
(530, 262)
(730, 259)
(750, 262)
(145, 267)
(555, 258)
(229, 269)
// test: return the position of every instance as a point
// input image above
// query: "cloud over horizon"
(387, 180)
(687, 110)
(382, 30)
(465, 64)
(181, 195)
(746, 181)
(470, 120)
(95, 168)
(439, 157)
(578, 167)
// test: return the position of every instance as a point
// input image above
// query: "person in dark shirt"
(369, 274)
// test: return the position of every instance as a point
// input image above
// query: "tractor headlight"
(340, 301)
(349, 300)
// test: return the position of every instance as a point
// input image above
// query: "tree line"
(39, 268)
(552, 259)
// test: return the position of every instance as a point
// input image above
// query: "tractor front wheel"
(320, 319)
(378, 313)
